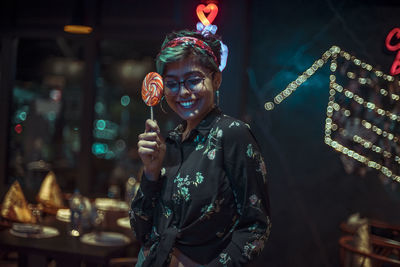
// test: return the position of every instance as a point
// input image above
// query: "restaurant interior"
(317, 80)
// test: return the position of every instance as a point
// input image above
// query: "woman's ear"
(217, 79)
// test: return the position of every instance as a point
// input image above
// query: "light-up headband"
(194, 41)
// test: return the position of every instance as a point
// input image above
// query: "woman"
(203, 197)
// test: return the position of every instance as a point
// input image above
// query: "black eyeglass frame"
(184, 82)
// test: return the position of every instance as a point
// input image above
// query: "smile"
(187, 104)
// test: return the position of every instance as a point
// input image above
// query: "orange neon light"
(210, 9)
(394, 37)
(78, 29)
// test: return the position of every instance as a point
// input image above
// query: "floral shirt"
(211, 201)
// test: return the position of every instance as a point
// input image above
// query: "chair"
(384, 229)
(384, 252)
(378, 228)
(118, 262)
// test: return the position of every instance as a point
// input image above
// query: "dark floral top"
(211, 201)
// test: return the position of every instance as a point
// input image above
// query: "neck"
(191, 124)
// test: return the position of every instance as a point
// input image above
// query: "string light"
(360, 158)
(332, 52)
(332, 106)
(369, 145)
(369, 105)
(368, 125)
(301, 78)
(382, 91)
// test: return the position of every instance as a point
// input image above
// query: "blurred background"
(71, 103)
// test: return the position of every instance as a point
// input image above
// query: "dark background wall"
(310, 191)
(270, 44)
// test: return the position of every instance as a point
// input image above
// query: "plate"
(124, 222)
(46, 232)
(105, 239)
(111, 204)
(26, 228)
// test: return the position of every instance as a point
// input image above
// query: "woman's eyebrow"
(195, 72)
(170, 76)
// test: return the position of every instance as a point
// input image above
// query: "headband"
(212, 29)
(194, 41)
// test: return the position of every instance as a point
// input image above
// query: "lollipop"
(152, 90)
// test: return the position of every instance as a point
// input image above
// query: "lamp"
(77, 23)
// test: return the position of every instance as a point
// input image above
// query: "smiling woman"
(203, 196)
(195, 98)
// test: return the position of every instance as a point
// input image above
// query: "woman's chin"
(187, 113)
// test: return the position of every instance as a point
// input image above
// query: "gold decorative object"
(15, 207)
(361, 239)
(50, 192)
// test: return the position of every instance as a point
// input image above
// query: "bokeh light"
(125, 100)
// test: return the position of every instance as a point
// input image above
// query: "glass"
(194, 84)
(98, 220)
(37, 212)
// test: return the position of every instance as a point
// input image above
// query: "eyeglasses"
(193, 84)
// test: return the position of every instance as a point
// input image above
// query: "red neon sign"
(393, 44)
(210, 9)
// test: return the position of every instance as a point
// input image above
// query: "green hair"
(186, 50)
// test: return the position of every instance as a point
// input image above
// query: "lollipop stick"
(152, 118)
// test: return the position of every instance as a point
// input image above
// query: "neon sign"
(210, 9)
(393, 44)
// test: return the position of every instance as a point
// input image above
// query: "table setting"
(95, 232)
(33, 231)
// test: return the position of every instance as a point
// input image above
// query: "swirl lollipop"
(152, 90)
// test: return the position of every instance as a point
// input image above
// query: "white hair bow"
(212, 29)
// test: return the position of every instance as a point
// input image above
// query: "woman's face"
(189, 89)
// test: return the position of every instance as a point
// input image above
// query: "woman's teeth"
(187, 104)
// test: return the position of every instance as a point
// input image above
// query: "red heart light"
(210, 9)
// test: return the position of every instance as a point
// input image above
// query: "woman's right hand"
(151, 149)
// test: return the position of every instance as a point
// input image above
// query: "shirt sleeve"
(143, 208)
(246, 171)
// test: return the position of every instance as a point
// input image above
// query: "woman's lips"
(187, 104)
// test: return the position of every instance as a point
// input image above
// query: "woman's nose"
(183, 91)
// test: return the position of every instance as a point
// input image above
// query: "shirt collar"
(203, 127)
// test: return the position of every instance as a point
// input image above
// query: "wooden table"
(64, 249)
